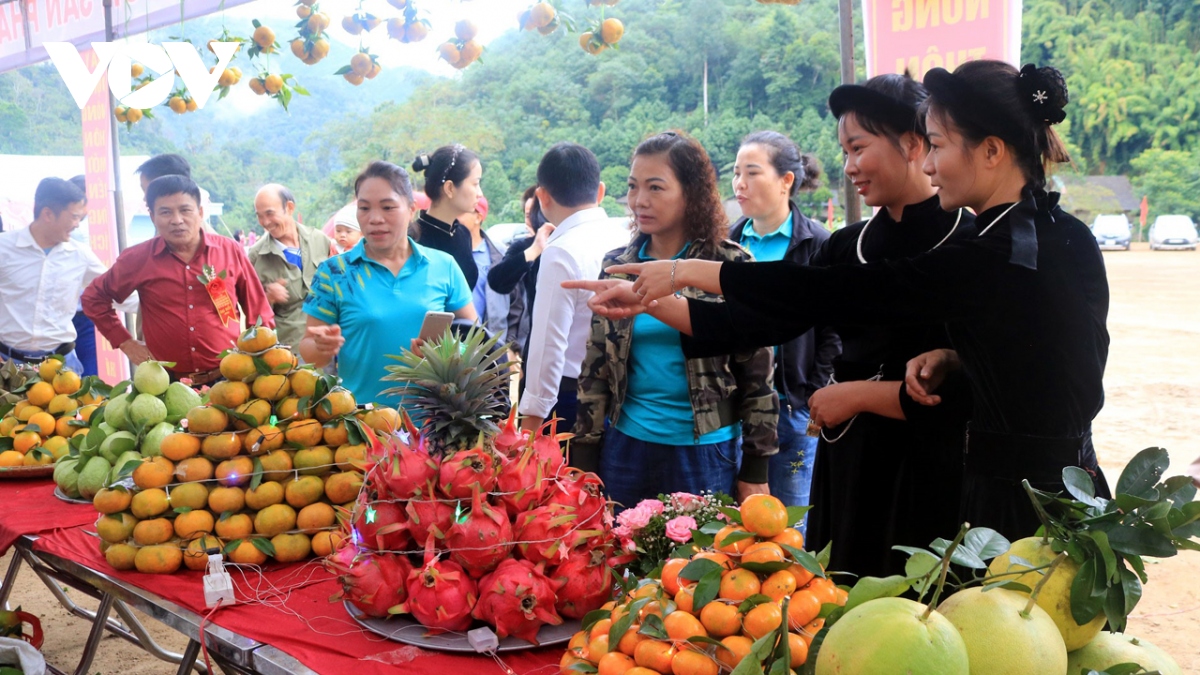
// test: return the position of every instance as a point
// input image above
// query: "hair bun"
(1045, 92)
(421, 163)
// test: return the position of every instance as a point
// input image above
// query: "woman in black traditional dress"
(452, 176)
(1024, 301)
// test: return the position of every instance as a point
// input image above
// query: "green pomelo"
(126, 457)
(152, 443)
(151, 378)
(116, 412)
(999, 639)
(93, 476)
(66, 478)
(1055, 596)
(1110, 649)
(116, 444)
(147, 410)
(180, 399)
(887, 636)
(106, 428)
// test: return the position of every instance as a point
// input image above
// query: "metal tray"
(70, 500)
(405, 629)
(23, 472)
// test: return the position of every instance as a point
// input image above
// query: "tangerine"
(279, 361)
(670, 575)
(247, 553)
(336, 403)
(739, 584)
(304, 382)
(789, 537)
(189, 496)
(763, 552)
(654, 655)
(325, 542)
(235, 471)
(206, 420)
(798, 649)
(764, 515)
(236, 526)
(291, 547)
(347, 456)
(195, 557)
(264, 438)
(275, 519)
(257, 338)
(682, 625)
(315, 517)
(196, 521)
(803, 608)
(153, 531)
(179, 446)
(271, 387)
(736, 546)
(229, 393)
(824, 589)
(115, 528)
(154, 472)
(736, 648)
(238, 367)
(161, 559)
(257, 408)
(762, 619)
(221, 446)
(721, 619)
(304, 491)
(614, 663)
(779, 585)
(40, 394)
(684, 599)
(66, 382)
(630, 640)
(307, 433)
(149, 503)
(223, 499)
(194, 469)
(336, 435)
(266, 494)
(692, 662)
(112, 500)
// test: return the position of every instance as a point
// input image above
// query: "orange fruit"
(237, 367)
(303, 382)
(682, 625)
(66, 382)
(277, 465)
(651, 607)
(289, 408)
(824, 589)
(279, 360)
(11, 458)
(842, 596)
(48, 368)
(257, 408)
(206, 420)
(336, 435)
(764, 515)
(229, 393)
(324, 542)
(194, 469)
(719, 558)
(235, 471)
(789, 537)
(267, 493)
(305, 432)
(316, 461)
(154, 472)
(236, 526)
(189, 495)
(601, 627)
(762, 619)
(62, 404)
(336, 403)
(221, 446)
(303, 491)
(382, 418)
(161, 559)
(247, 554)
(291, 547)
(178, 447)
(263, 439)
(614, 663)
(684, 598)
(630, 640)
(257, 338)
(779, 585)
(737, 647)
(721, 619)
(670, 575)
(763, 552)
(194, 522)
(597, 648)
(734, 546)
(109, 500)
(803, 576)
(153, 531)
(739, 584)
(121, 556)
(271, 387)
(343, 487)
(149, 503)
(25, 441)
(195, 557)
(45, 424)
(40, 394)
(346, 454)
(654, 655)
(803, 608)
(63, 426)
(275, 519)
(810, 630)
(223, 499)
(315, 517)
(691, 662)
(798, 649)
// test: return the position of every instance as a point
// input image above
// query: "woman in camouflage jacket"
(652, 420)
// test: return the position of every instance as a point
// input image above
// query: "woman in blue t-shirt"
(661, 422)
(370, 301)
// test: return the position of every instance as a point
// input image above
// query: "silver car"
(1173, 233)
(1112, 232)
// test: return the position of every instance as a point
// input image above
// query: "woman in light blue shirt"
(370, 301)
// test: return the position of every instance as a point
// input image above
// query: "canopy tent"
(26, 25)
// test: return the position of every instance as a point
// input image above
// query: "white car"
(1112, 232)
(1173, 233)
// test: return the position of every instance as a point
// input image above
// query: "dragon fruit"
(548, 448)
(462, 471)
(517, 599)
(441, 596)
(583, 582)
(521, 483)
(548, 533)
(409, 471)
(372, 582)
(481, 540)
(510, 441)
(429, 517)
(585, 492)
(382, 525)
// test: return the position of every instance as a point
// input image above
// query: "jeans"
(792, 468)
(85, 344)
(634, 470)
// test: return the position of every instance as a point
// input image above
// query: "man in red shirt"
(191, 284)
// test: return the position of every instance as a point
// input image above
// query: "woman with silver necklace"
(452, 176)
(1024, 300)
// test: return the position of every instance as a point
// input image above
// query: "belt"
(198, 377)
(30, 357)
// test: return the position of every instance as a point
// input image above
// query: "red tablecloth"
(295, 615)
(30, 507)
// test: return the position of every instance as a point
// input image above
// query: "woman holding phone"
(1025, 301)
(372, 300)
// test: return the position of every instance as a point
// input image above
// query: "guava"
(892, 636)
(151, 378)
(1001, 638)
(147, 410)
(93, 477)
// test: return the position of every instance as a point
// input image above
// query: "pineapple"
(13, 376)
(455, 391)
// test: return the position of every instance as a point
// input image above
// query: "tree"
(1170, 179)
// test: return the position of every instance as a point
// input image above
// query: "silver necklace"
(863, 232)
(1002, 214)
(426, 220)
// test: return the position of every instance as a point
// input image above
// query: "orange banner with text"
(111, 363)
(920, 35)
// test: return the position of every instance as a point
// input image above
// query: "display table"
(284, 622)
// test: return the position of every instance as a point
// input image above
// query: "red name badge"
(218, 291)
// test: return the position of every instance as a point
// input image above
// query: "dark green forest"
(1132, 66)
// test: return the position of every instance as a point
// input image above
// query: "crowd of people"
(901, 374)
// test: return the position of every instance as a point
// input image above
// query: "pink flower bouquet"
(654, 528)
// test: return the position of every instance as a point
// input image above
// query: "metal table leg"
(189, 657)
(97, 632)
(10, 578)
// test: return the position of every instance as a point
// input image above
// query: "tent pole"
(846, 21)
(118, 194)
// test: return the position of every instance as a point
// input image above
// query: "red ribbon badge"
(214, 283)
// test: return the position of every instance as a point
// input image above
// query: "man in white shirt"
(569, 192)
(42, 275)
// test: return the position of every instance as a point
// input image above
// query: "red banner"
(920, 35)
(102, 222)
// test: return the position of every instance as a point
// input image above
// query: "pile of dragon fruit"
(503, 533)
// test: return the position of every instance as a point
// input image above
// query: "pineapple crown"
(455, 389)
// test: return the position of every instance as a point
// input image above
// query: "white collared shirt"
(40, 291)
(561, 319)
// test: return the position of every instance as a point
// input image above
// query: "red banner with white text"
(920, 35)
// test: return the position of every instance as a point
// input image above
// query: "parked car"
(1173, 233)
(1112, 232)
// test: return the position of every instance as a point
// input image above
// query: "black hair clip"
(1037, 86)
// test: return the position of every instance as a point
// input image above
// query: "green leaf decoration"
(264, 545)
(870, 588)
(706, 589)
(697, 569)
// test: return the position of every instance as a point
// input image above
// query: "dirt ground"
(1153, 388)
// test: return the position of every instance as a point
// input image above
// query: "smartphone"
(435, 324)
